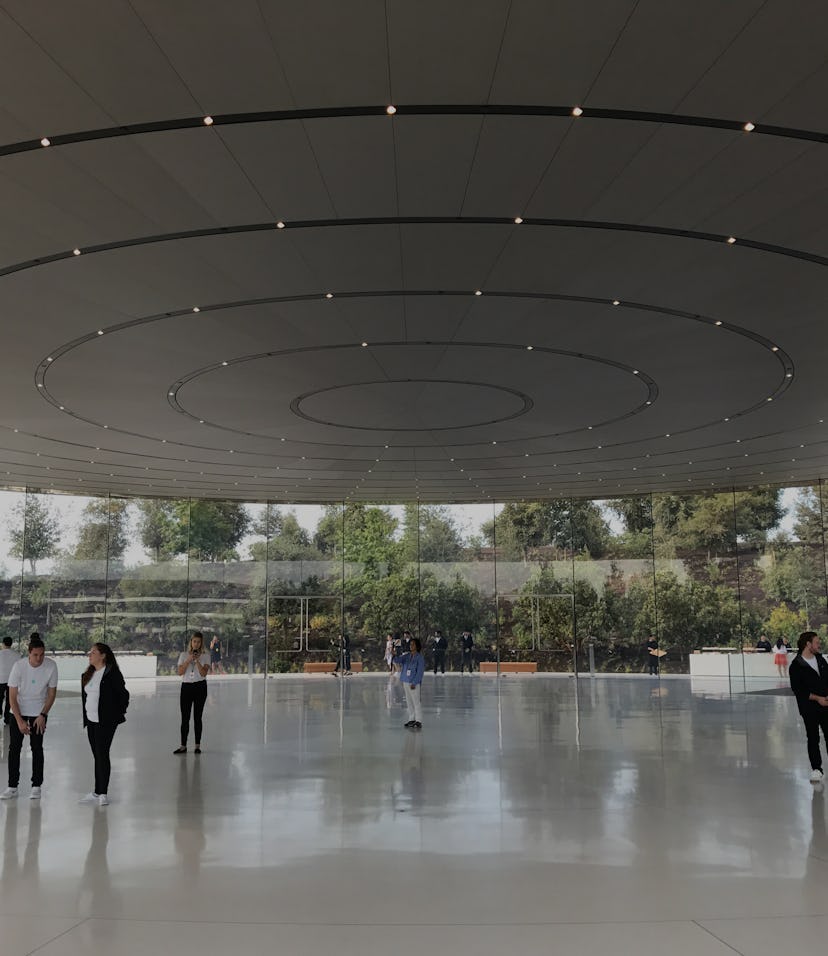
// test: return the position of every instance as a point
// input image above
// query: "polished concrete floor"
(531, 814)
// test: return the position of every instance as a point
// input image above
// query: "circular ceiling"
(540, 262)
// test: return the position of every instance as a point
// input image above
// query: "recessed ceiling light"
(667, 435)
(224, 363)
(329, 295)
(478, 292)
(390, 110)
(208, 120)
(774, 348)
(61, 407)
(494, 442)
(577, 111)
(280, 224)
(365, 346)
(530, 348)
(171, 393)
(769, 399)
(789, 375)
(196, 309)
(616, 302)
(40, 384)
(76, 252)
(518, 220)
(749, 127)
(648, 402)
(718, 322)
(201, 421)
(50, 359)
(635, 371)
(731, 240)
(100, 332)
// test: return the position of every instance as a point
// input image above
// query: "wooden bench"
(327, 667)
(509, 667)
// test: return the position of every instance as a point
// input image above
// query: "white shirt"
(32, 684)
(192, 675)
(812, 661)
(8, 658)
(93, 695)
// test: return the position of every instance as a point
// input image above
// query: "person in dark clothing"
(652, 656)
(105, 700)
(439, 645)
(763, 645)
(808, 674)
(344, 658)
(467, 651)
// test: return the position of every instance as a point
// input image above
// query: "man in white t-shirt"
(32, 691)
(8, 658)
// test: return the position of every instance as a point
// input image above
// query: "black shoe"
(418, 725)
(409, 723)
(197, 750)
(180, 750)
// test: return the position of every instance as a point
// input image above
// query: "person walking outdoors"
(652, 656)
(8, 658)
(412, 668)
(809, 682)
(32, 691)
(466, 650)
(105, 700)
(780, 656)
(439, 646)
(193, 667)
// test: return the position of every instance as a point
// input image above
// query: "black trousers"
(653, 664)
(344, 660)
(15, 748)
(193, 698)
(5, 706)
(814, 722)
(466, 659)
(440, 661)
(100, 740)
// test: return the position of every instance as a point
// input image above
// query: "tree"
(158, 528)
(809, 511)
(210, 530)
(286, 540)
(366, 535)
(103, 532)
(430, 533)
(34, 531)
(576, 525)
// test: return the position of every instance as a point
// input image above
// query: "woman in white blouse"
(105, 700)
(193, 667)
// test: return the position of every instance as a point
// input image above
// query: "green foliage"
(786, 623)
(209, 530)
(103, 530)
(286, 540)
(566, 525)
(430, 534)
(34, 531)
(158, 528)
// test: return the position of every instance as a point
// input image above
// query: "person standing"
(105, 700)
(389, 652)
(193, 667)
(467, 651)
(32, 691)
(8, 658)
(412, 668)
(652, 656)
(438, 648)
(780, 656)
(808, 674)
(215, 655)
(344, 659)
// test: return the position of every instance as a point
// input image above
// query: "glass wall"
(568, 585)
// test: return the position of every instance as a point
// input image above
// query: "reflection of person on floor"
(439, 645)
(411, 770)
(780, 656)
(190, 839)
(27, 876)
(466, 650)
(98, 897)
(412, 668)
(809, 682)
(652, 656)
(344, 658)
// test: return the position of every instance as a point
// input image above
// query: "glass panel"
(226, 580)
(147, 596)
(12, 511)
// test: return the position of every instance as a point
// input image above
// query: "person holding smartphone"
(193, 667)
(412, 668)
(32, 691)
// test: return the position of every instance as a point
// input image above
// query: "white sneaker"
(817, 776)
(35, 794)
(103, 800)
(89, 798)
(10, 793)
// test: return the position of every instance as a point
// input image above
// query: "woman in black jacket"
(809, 682)
(105, 700)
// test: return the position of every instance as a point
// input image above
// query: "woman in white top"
(193, 666)
(105, 700)
(389, 652)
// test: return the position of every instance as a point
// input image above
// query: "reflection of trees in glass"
(430, 534)
(34, 531)
(158, 527)
(210, 530)
(103, 530)
(286, 539)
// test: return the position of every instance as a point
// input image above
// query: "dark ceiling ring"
(526, 404)
(402, 110)
(45, 364)
(283, 226)
(643, 377)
